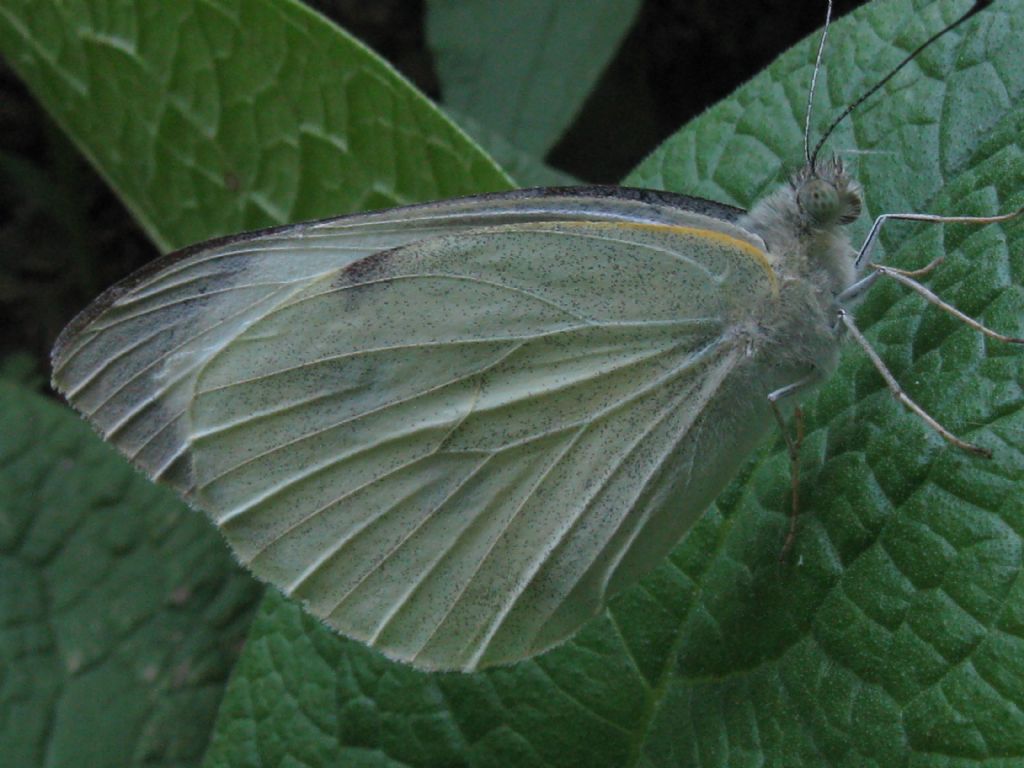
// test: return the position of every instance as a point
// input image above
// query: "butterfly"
(454, 430)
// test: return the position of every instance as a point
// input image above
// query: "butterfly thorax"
(803, 224)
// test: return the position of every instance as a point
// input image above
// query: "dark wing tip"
(59, 353)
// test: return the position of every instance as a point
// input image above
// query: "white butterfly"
(453, 430)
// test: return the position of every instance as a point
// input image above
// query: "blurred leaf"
(59, 247)
(523, 68)
(22, 369)
(524, 168)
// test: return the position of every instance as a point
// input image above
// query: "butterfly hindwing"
(434, 446)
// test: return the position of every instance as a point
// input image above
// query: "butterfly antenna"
(814, 85)
(979, 5)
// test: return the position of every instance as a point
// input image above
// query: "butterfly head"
(826, 195)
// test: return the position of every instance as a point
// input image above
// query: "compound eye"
(819, 200)
(851, 205)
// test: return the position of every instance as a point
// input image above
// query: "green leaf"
(120, 616)
(523, 68)
(212, 117)
(894, 635)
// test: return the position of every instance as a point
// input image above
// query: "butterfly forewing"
(129, 361)
(453, 447)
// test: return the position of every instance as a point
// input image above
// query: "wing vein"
(347, 494)
(582, 429)
(476, 280)
(721, 372)
(349, 420)
(525, 394)
(536, 566)
(161, 390)
(341, 544)
(443, 554)
(688, 324)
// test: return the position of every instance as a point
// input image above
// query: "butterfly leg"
(793, 444)
(897, 391)
(907, 278)
(930, 218)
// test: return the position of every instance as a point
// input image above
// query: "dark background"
(64, 236)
